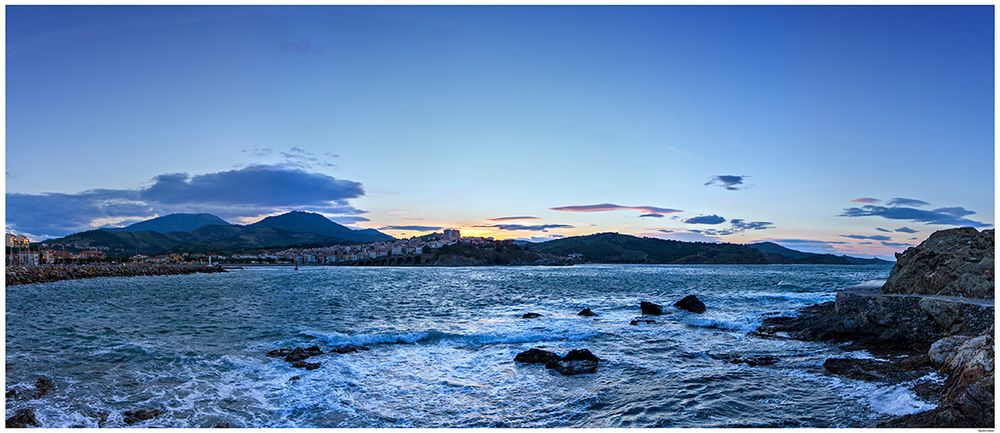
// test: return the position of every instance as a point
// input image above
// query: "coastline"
(17, 275)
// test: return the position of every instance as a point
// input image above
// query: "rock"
(918, 362)
(868, 370)
(571, 368)
(348, 349)
(23, 418)
(279, 353)
(581, 355)
(224, 424)
(298, 354)
(134, 416)
(813, 323)
(753, 361)
(928, 390)
(294, 378)
(942, 349)
(650, 308)
(11, 393)
(536, 356)
(635, 322)
(530, 315)
(586, 313)
(42, 387)
(306, 365)
(953, 262)
(691, 303)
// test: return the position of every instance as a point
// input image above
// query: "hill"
(178, 222)
(619, 248)
(293, 229)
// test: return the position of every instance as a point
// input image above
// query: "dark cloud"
(872, 237)
(743, 225)
(528, 227)
(348, 219)
(259, 152)
(867, 200)
(303, 47)
(880, 229)
(810, 245)
(607, 207)
(705, 219)
(650, 215)
(245, 192)
(299, 157)
(895, 244)
(514, 218)
(685, 236)
(908, 202)
(942, 216)
(536, 239)
(906, 230)
(413, 228)
(727, 181)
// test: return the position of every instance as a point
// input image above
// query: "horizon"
(845, 130)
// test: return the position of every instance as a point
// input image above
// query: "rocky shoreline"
(935, 313)
(47, 273)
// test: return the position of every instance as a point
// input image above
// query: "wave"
(337, 339)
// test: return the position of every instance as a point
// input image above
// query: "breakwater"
(48, 273)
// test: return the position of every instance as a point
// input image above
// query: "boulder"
(869, 370)
(42, 387)
(572, 368)
(944, 348)
(298, 354)
(691, 303)
(23, 418)
(581, 355)
(134, 416)
(536, 356)
(635, 322)
(530, 315)
(279, 353)
(953, 262)
(306, 365)
(347, 349)
(650, 308)
(586, 313)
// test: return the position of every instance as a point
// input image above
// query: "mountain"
(178, 222)
(307, 222)
(619, 248)
(773, 248)
(293, 229)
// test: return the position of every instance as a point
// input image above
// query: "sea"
(441, 347)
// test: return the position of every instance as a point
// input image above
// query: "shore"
(47, 273)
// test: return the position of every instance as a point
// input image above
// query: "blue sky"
(412, 118)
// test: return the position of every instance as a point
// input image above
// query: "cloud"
(810, 245)
(868, 200)
(727, 181)
(909, 202)
(259, 152)
(880, 229)
(688, 236)
(942, 216)
(705, 219)
(233, 194)
(413, 228)
(607, 207)
(742, 225)
(906, 230)
(530, 228)
(650, 215)
(536, 239)
(895, 244)
(303, 47)
(347, 219)
(514, 218)
(872, 237)
(299, 157)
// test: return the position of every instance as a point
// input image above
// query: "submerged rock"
(530, 315)
(571, 368)
(23, 418)
(347, 349)
(869, 370)
(635, 322)
(536, 356)
(134, 416)
(650, 308)
(691, 303)
(953, 262)
(42, 387)
(299, 353)
(586, 313)
(306, 365)
(751, 360)
(279, 353)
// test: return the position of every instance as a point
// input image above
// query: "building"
(451, 235)
(18, 251)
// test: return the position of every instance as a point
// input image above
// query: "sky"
(854, 130)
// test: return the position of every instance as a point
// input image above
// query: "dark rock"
(650, 308)
(348, 349)
(224, 424)
(306, 365)
(635, 322)
(953, 262)
(279, 353)
(586, 312)
(43, 386)
(23, 418)
(294, 378)
(868, 370)
(570, 368)
(134, 416)
(530, 315)
(11, 393)
(299, 354)
(536, 356)
(928, 390)
(915, 362)
(581, 355)
(691, 303)
(753, 361)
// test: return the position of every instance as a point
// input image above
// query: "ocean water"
(442, 345)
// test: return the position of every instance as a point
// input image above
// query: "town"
(21, 252)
